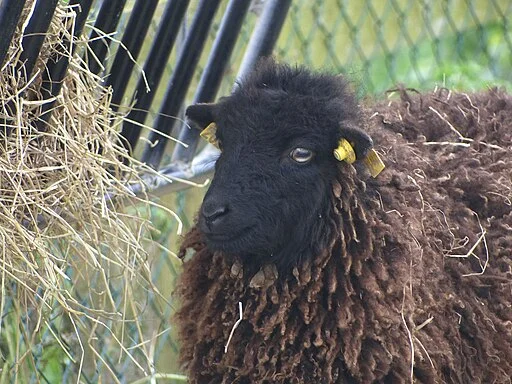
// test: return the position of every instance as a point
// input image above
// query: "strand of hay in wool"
(235, 326)
(465, 145)
(460, 135)
(426, 352)
(473, 106)
(481, 239)
(483, 232)
(409, 335)
(381, 203)
(417, 329)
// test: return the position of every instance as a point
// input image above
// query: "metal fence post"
(261, 43)
(211, 77)
(53, 76)
(10, 12)
(265, 34)
(180, 80)
(154, 67)
(133, 38)
(106, 21)
(35, 33)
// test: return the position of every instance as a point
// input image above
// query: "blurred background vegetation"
(460, 44)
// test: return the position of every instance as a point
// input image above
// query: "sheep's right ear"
(202, 114)
(203, 117)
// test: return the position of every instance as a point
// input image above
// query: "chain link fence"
(456, 43)
(461, 44)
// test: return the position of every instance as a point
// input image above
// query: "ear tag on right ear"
(345, 152)
(373, 163)
(210, 134)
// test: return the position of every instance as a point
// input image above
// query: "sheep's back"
(398, 284)
(447, 192)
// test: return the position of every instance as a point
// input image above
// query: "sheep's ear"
(359, 140)
(355, 144)
(202, 114)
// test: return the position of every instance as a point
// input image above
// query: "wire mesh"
(458, 43)
(462, 44)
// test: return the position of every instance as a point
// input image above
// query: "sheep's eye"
(302, 155)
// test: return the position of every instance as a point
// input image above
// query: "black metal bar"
(154, 68)
(10, 12)
(106, 21)
(261, 43)
(133, 38)
(211, 77)
(55, 72)
(158, 183)
(265, 35)
(35, 33)
(180, 80)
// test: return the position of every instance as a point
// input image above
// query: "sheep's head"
(271, 197)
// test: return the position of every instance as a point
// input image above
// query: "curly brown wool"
(391, 299)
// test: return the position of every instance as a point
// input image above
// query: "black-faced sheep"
(344, 278)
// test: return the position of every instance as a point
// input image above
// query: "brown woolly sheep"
(344, 278)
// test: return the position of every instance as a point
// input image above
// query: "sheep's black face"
(270, 198)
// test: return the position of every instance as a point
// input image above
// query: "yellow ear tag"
(345, 152)
(209, 134)
(373, 163)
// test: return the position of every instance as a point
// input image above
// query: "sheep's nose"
(214, 213)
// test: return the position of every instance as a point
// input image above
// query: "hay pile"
(71, 259)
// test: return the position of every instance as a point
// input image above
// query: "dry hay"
(72, 262)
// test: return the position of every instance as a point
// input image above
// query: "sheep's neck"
(317, 297)
(348, 241)
(353, 236)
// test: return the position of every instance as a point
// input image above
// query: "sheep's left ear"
(359, 139)
(202, 114)
(355, 144)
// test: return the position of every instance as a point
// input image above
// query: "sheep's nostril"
(213, 214)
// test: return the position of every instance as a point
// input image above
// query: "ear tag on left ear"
(373, 163)
(209, 134)
(345, 152)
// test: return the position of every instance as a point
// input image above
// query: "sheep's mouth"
(228, 240)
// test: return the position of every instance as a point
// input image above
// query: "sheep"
(305, 269)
